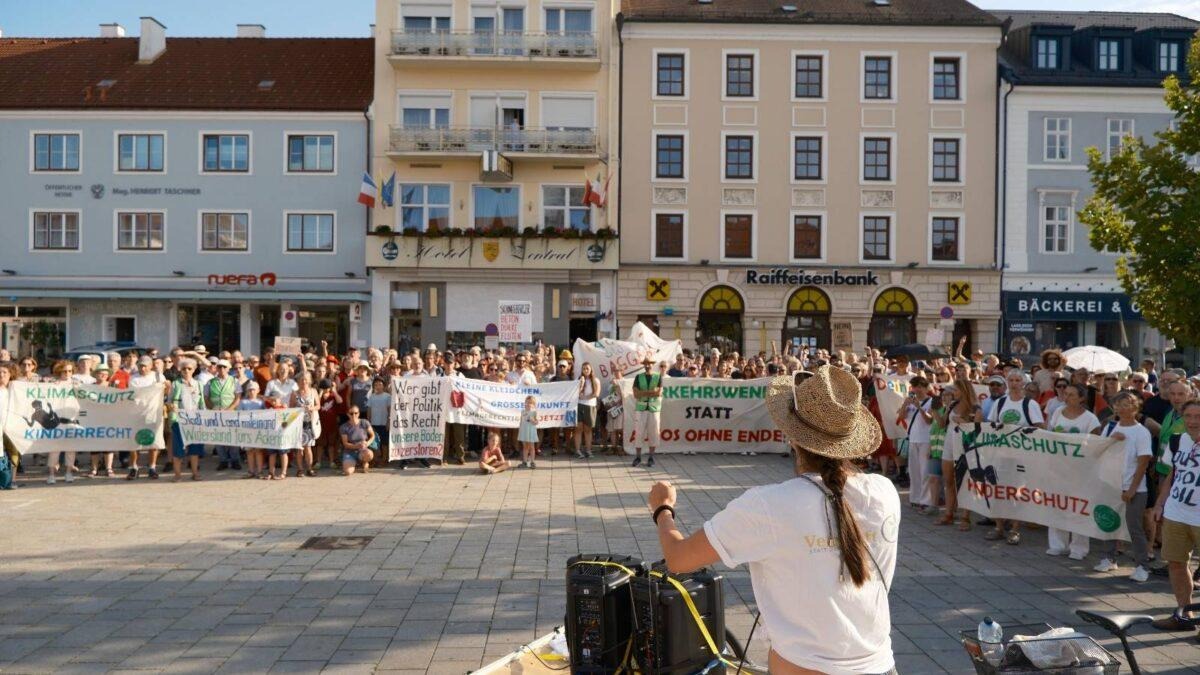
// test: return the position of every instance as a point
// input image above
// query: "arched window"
(895, 319)
(720, 323)
(807, 320)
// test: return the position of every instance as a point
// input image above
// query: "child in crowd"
(492, 460)
(254, 456)
(528, 436)
(379, 404)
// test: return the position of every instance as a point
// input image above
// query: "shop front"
(1036, 321)
(746, 310)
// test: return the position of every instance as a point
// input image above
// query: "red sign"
(266, 279)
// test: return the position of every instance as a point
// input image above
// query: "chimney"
(112, 30)
(251, 30)
(153, 40)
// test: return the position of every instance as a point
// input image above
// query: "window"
(877, 77)
(739, 75)
(739, 236)
(946, 160)
(669, 75)
(561, 21)
(424, 207)
(56, 152)
(575, 113)
(54, 231)
(806, 237)
(225, 231)
(1109, 52)
(310, 153)
(669, 236)
(739, 157)
(496, 207)
(1046, 53)
(809, 76)
(310, 232)
(877, 159)
(946, 79)
(1057, 141)
(669, 158)
(807, 161)
(227, 153)
(1168, 57)
(139, 231)
(425, 118)
(1118, 129)
(563, 208)
(944, 239)
(1056, 223)
(427, 24)
(877, 234)
(140, 152)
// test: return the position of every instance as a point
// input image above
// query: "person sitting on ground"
(493, 460)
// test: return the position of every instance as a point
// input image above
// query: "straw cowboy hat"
(824, 414)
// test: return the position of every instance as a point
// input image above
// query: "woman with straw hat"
(831, 525)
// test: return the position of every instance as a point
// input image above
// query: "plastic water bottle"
(991, 640)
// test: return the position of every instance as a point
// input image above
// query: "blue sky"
(334, 17)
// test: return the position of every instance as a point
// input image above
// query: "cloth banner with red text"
(607, 355)
(708, 415)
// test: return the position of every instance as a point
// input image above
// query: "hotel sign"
(785, 277)
(492, 253)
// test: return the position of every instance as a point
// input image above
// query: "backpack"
(999, 405)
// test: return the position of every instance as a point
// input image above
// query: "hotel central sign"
(784, 277)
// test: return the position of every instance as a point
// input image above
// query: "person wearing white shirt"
(1178, 509)
(1138, 456)
(917, 415)
(83, 370)
(144, 377)
(831, 525)
(1071, 418)
(1015, 409)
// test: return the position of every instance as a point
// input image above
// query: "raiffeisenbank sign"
(781, 276)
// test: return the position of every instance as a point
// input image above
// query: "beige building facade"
(492, 116)
(807, 182)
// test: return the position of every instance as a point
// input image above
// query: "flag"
(388, 193)
(595, 193)
(367, 193)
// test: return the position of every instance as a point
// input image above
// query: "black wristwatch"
(660, 509)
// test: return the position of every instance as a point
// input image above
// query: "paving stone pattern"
(104, 575)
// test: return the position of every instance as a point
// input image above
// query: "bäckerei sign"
(785, 277)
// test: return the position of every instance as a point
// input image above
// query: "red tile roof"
(310, 74)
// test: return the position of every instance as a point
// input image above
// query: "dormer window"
(1108, 56)
(1169, 56)
(1046, 53)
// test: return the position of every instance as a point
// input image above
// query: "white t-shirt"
(138, 380)
(1013, 412)
(79, 378)
(1183, 503)
(524, 378)
(1053, 406)
(782, 532)
(1060, 423)
(281, 390)
(1137, 444)
(919, 431)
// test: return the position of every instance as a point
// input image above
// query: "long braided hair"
(851, 543)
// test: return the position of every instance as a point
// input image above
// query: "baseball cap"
(996, 379)
(431, 348)
(200, 349)
(223, 363)
(563, 363)
(145, 361)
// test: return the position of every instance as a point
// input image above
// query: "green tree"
(1146, 208)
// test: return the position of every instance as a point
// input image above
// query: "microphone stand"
(974, 445)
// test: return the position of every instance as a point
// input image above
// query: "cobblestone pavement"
(200, 577)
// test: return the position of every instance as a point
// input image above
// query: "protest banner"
(607, 355)
(891, 392)
(516, 321)
(270, 429)
(417, 422)
(287, 346)
(496, 404)
(709, 415)
(1068, 481)
(63, 416)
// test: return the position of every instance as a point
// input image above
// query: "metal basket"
(1014, 660)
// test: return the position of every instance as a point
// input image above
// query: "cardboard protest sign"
(417, 422)
(287, 346)
(516, 321)
(64, 416)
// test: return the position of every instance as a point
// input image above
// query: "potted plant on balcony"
(384, 230)
(606, 233)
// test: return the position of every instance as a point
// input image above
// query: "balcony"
(471, 141)
(570, 50)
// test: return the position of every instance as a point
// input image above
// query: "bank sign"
(785, 277)
(1069, 306)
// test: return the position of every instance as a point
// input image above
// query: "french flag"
(367, 193)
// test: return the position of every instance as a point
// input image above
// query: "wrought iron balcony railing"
(571, 45)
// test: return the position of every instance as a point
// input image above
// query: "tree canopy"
(1146, 208)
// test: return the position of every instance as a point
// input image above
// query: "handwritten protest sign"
(287, 346)
(417, 422)
(272, 429)
(516, 321)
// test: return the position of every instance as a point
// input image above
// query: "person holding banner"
(1138, 455)
(966, 412)
(1072, 418)
(221, 393)
(63, 370)
(305, 398)
(647, 391)
(101, 375)
(357, 437)
(1014, 408)
(917, 413)
(616, 413)
(185, 394)
(589, 390)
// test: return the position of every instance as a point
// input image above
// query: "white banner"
(269, 429)
(709, 415)
(1068, 481)
(607, 355)
(890, 392)
(417, 422)
(516, 321)
(58, 416)
(499, 405)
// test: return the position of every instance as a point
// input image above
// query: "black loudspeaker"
(600, 611)
(668, 641)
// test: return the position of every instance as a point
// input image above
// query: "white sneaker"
(70, 477)
(1140, 575)
(1106, 565)
(1056, 552)
(50, 479)
(1076, 556)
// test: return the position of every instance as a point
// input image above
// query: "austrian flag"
(596, 193)
(367, 193)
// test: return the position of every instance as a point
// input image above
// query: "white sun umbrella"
(1096, 359)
